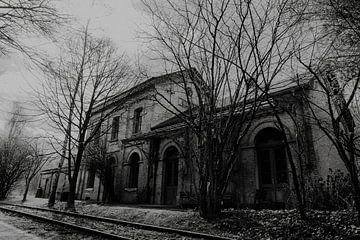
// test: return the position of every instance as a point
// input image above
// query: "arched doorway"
(272, 163)
(108, 180)
(134, 170)
(171, 165)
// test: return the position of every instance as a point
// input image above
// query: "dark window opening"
(91, 178)
(115, 128)
(134, 170)
(97, 134)
(137, 120)
(171, 167)
(272, 157)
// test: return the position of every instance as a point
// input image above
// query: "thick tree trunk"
(210, 179)
(4, 192)
(210, 204)
(54, 186)
(70, 206)
(27, 185)
(210, 199)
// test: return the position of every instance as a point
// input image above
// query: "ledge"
(130, 189)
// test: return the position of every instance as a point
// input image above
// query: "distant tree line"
(21, 156)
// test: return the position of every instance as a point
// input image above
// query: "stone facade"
(151, 164)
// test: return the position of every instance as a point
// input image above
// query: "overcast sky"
(119, 20)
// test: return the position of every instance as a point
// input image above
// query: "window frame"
(137, 120)
(115, 125)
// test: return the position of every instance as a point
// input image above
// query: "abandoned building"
(149, 166)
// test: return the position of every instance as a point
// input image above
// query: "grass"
(237, 224)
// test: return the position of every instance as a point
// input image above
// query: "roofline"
(136, 89)
(276, 93)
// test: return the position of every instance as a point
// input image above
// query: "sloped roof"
(169, 122)
(281, 88)
(147, 84)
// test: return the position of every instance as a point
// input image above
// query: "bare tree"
(81, 81)
(19, 17)
(35, 162)
(333, 63)
(234, 45)
(14, 154)
(98, 160)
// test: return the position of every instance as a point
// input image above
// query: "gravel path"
(125, 231)
(43, 230)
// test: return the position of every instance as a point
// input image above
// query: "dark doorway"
(273, 171)
(171, 161)
(108, 180)
(134, 170)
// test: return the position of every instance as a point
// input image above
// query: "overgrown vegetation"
(332, 193)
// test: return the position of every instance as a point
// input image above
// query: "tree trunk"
(70, 206)
(54, 186)
(295, 179)
(27, 185)
(301, 206)
(210, 205)
(210, 200)
(52, 196)
(356, 192)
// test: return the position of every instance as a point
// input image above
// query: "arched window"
(134, 170)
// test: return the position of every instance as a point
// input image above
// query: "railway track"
(103, 227)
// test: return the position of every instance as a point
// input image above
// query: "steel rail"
(128, 223)
(88, 231)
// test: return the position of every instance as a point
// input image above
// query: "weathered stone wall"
(325, 152)
(318, 154)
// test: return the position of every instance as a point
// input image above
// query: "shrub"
(334, 193)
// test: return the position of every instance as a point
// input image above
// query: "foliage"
(334, 193)
(286, 224)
